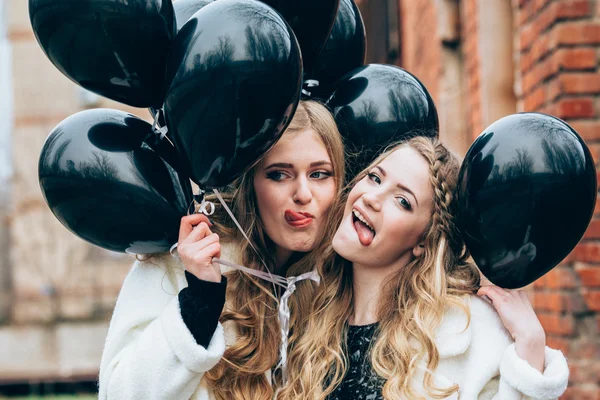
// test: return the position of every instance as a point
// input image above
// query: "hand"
(517, 315)
(197, 246)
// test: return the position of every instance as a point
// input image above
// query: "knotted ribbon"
(289, 283)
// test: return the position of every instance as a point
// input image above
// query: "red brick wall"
(421, 51)
(557, 53)
(469, 31)
(559, 48)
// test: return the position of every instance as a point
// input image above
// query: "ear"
(418, 250)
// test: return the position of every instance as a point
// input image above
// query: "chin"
(301, 246)
(342, 246)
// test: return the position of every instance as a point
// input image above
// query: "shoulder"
(158, 270)
(478, 331)
(488, 334)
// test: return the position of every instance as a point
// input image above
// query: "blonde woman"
(395, 316)
(183, 330)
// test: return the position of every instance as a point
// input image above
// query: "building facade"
(480, 60)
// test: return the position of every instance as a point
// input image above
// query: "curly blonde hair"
(411, 305)
(252, 304)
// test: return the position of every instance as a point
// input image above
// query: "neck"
(367, 287)
(282, 256)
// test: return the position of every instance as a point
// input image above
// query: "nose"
(302, 192)
(371, 200)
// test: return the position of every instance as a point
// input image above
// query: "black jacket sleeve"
(201, 305)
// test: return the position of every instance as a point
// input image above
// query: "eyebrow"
(288, 165)
(400, 186)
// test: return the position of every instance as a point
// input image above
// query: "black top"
(201, 305)
(360, 382)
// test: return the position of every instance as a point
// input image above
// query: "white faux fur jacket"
(150, 354)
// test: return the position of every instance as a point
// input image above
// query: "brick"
(544, 20)
(585, 350)
(573, 9)
(593, 230)
(538, 5)
(580, 393)
(558, 302)
(526, 37)
(558, 343)
(526, 61)
(584, 372)
(597, 207)
(575, 58)
(572, 33)
(554, 89)
(575, 108)
(555, 324)
(536, 99)
(540, 47)
(588, 130)
(539, 73)
(524, 14)
(523, 3)
(586, 252)
(592, 299)
(595, 151)
(579, 83)
(588, 275)
(559, 278)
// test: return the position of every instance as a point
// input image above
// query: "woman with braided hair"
(400, 313)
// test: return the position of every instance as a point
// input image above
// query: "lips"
(298, 219)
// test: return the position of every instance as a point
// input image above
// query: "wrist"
(532, 338)
(531, 347)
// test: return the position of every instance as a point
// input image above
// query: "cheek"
(265, 200)
(326, 194)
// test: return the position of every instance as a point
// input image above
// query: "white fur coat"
(150, 354)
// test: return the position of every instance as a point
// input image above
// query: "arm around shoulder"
(517, 378)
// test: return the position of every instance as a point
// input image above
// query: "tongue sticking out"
(365, 235)
(294, 216)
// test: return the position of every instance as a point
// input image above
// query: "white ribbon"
(310, 83)
(288, 283)
(162, 131)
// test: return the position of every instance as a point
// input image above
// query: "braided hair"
(413, 302)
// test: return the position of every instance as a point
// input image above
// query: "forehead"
(298, 147)
(407, 167)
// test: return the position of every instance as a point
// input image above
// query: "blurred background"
(480, 60)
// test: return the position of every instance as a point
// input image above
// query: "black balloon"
(236, 76)
(103, 176)
(527, 190)
(344, 51)
(117, 49)
(184, 9)
(311, 21)
(377, 105)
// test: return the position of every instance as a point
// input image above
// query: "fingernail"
(211, 221)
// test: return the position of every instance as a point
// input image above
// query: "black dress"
(360, 382)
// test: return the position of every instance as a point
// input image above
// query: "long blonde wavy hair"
(411, 305)
(252, 304)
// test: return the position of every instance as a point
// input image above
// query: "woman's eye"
(404, 203)
(375, 178)
(276, 175)
(321, 175)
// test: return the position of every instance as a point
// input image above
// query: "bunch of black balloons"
(223, 78)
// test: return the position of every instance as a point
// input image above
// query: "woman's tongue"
(365, 235)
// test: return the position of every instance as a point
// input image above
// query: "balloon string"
(156, 128)
(289, 283)
(309, 83)
(235, 221)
